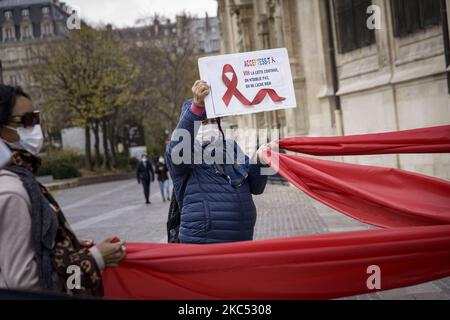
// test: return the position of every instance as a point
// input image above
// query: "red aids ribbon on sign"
(234, 91)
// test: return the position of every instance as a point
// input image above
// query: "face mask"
(161, 159)
(208, 133)
(5, 154)
(30, 139)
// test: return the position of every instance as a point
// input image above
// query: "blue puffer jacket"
(216, 208)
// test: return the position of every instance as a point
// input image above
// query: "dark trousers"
(146, 186)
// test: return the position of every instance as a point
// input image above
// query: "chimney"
(206, 22)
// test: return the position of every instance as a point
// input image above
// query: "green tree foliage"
(167, 68)
(107, 81)
(85, 79)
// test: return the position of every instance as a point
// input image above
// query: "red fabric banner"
(424, 140)
(379, 196)
(309, 267)
(414, 248)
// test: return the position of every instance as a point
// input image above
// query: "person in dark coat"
(162, 173)
(217, 205)
(145, 175)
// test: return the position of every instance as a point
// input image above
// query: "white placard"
(248, 82)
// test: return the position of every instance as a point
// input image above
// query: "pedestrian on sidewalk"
(163, 178)
(145, 175)
(37, 245)
(215, 198)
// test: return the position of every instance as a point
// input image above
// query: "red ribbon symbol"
(234, 91)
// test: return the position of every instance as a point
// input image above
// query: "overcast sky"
(123, 13)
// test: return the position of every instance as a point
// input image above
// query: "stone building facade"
(203, 32)
(353, 74)
(25, 25)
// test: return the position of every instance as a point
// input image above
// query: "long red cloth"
(414, 247)
(423, 140)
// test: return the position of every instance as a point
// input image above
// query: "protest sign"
(248, 82)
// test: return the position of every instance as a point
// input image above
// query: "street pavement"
(118, 209)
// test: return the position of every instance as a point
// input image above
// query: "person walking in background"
(163, 178)
(145, 175)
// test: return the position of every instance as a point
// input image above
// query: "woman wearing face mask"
(36, 243)
(161, 171)
(217, 205)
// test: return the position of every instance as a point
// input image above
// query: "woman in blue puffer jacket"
(217, 205)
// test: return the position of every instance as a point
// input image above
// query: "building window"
(27, 32)
(12, 56)
(29, 53)
(215, 45)
(410, 16)
(351, 24)
(8, 34)
(25, 13)
(13, 80)
(8, 15)
(46, 29)
(45, 11)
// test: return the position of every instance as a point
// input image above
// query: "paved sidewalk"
(285, 211)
